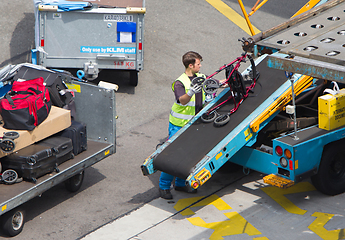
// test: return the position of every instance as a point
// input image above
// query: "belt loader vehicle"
(287, 128)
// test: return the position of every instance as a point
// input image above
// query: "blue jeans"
(166, 179)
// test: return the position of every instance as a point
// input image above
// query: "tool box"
(332, 110)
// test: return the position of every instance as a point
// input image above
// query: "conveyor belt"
(181, 155)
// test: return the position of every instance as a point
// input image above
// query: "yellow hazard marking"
(4, 207)
(309, 5)
(249, 137)
(247, 132)
(318, 227)
(211, 200)
(74, 86)
(232, 15)
(219, 155)
(261, 238)
(277, 194)
(296, 164)
(236, 225)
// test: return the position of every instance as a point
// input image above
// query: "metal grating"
(321, 37)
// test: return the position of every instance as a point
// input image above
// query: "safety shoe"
(186, 189)
(166, 194)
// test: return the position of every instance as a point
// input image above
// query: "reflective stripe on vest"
(181, 114)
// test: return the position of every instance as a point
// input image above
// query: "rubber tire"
(10, 145)
(221, 120)
(11, 178)
(11, 135)
(328, 180)
(133, 78)
(74, 183)
(207, 118)
(214, 86)
(8, 219)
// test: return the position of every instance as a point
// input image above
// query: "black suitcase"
(62, 147)
(39, 159)
(76, 132)
(31, 162)
(53, 81)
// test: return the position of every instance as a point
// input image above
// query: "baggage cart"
(108, 34)
(100, 142)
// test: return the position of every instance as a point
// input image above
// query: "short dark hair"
(190, 57)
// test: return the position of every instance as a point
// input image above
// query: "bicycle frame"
(238, 62)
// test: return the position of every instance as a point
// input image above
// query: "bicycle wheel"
(209, 117)
(221, 120)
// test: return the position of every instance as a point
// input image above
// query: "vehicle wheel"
(133, 78)
(221, 120)
(9, 176)
(13, 222)
(207, 118)
(74, 183)
(330, 178)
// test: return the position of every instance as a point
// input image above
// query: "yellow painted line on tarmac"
(211, 200)
(309, 5)
(232, 15)
(318, 227)
(277, 194)
(234, 226)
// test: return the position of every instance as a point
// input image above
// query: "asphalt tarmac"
(115, 190)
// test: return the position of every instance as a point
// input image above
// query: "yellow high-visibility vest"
(181, 114)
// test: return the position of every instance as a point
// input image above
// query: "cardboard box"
(332, 110)
(57, 120)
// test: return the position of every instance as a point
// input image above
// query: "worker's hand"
(193, 90)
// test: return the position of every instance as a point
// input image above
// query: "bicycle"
(234, 79)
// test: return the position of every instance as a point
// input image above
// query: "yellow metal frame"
(309, 5)
(299, 86)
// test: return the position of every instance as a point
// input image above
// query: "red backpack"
(26, 105)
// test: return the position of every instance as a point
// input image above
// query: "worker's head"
(192, 60)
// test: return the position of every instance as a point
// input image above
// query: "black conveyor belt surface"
(180, 156)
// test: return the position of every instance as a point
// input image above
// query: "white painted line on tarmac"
(132, 224)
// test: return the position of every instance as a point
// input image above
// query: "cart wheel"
(197, 80)
(74, 183)
(207, 118)
(210, 86)
(133, 78)
(9, 176)
(222, 120)
(11, 135)
(7, 145)
(330, 179)
(13, 222)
